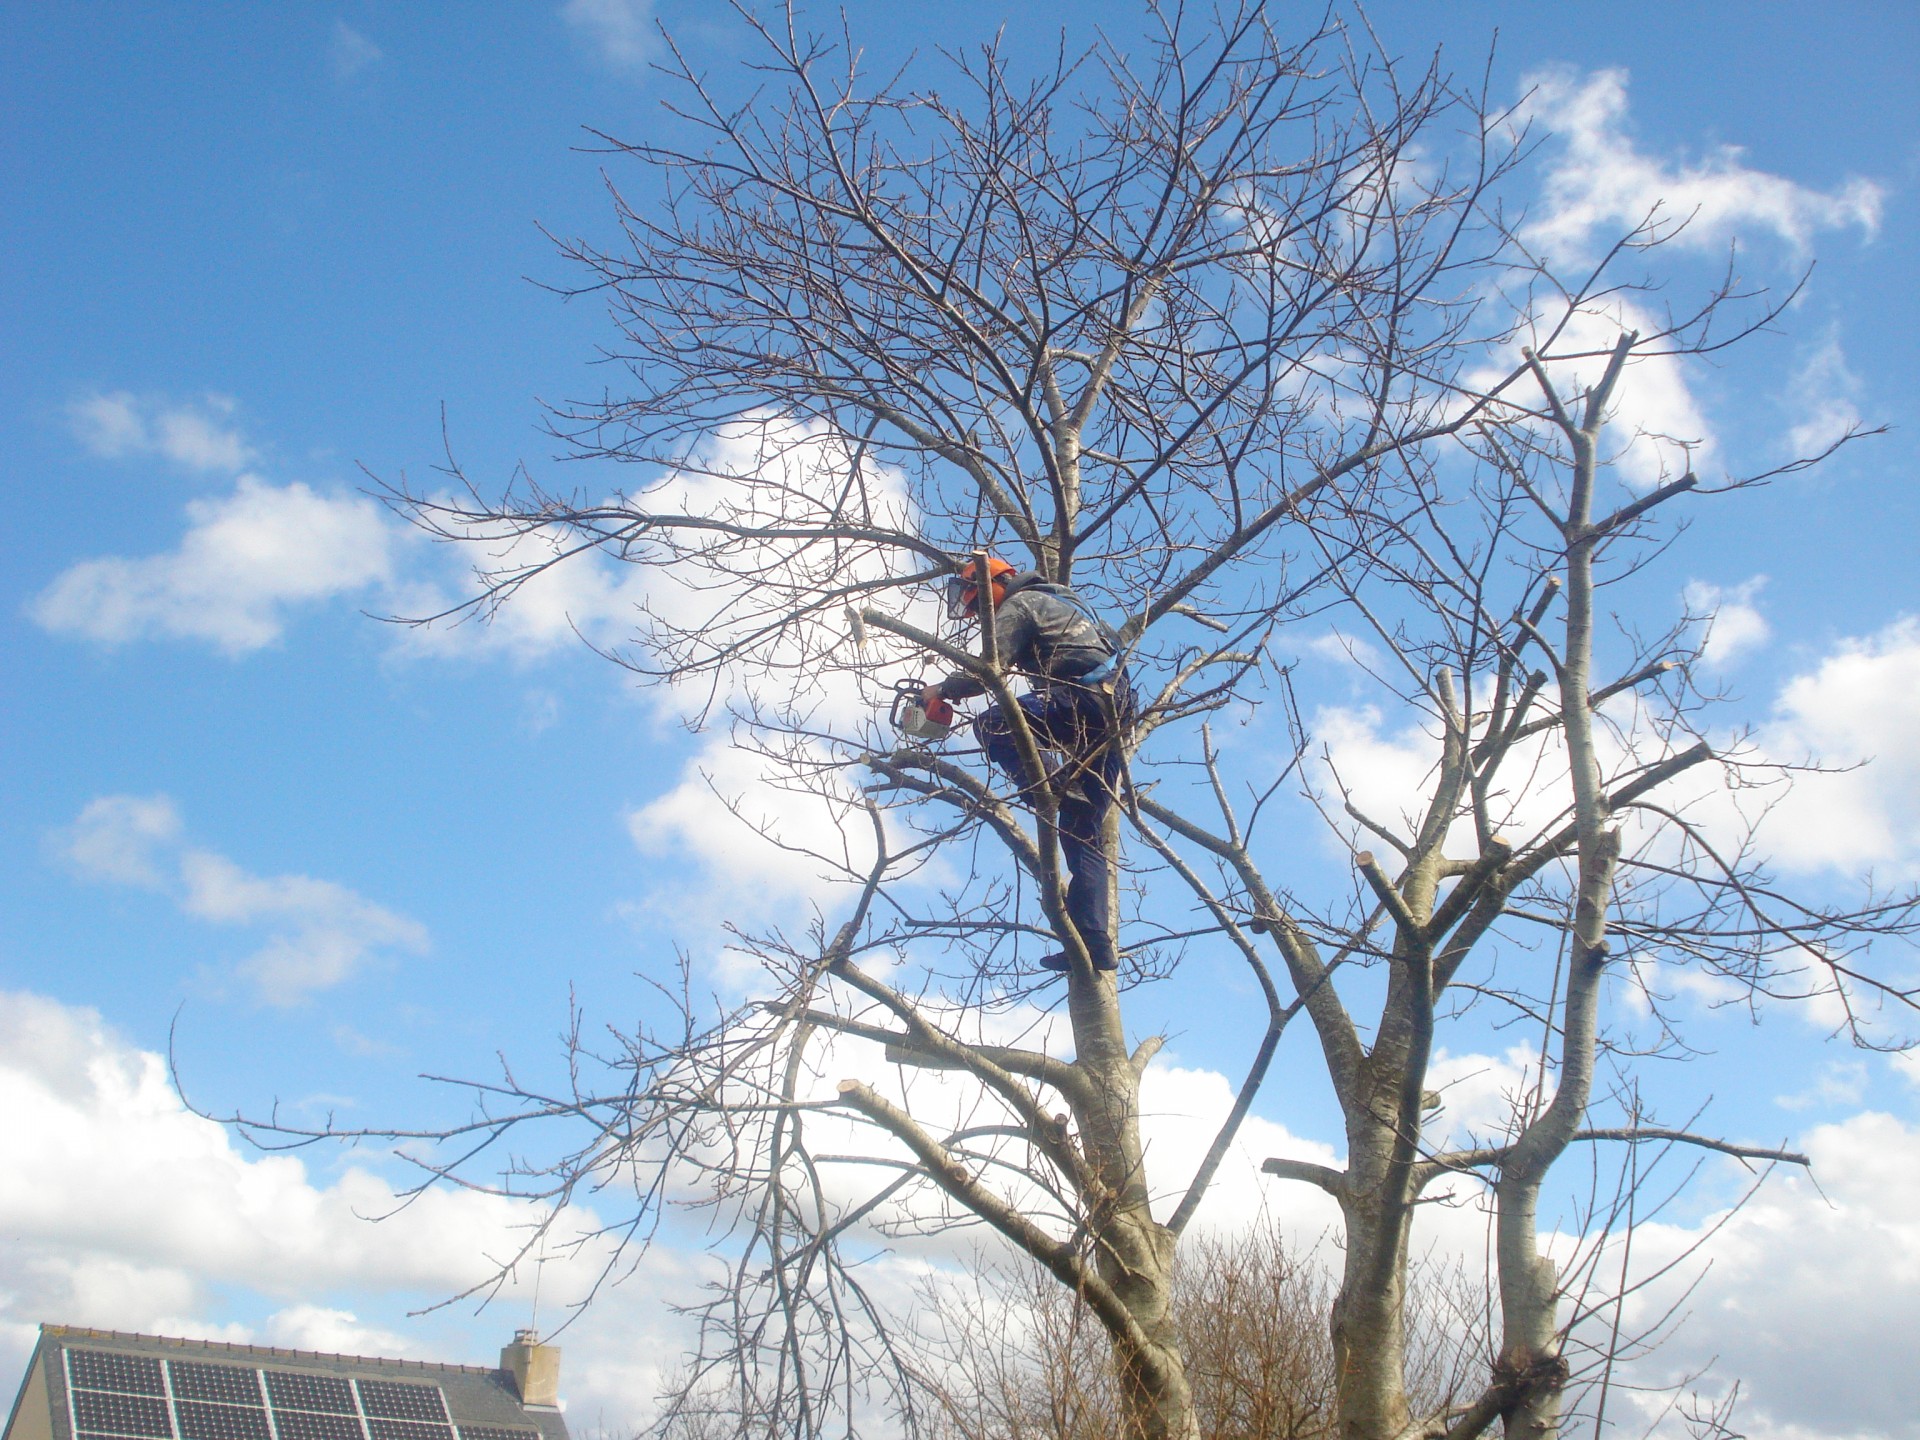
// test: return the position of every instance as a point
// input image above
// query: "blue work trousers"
(1076, 722)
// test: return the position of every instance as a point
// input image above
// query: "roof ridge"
(234, 1346)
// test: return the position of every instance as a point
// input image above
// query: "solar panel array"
(141, 1397)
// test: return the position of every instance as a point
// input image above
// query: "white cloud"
(323, 932)
(1597, 185)
(1821, 400)
(124, 1210)
(1599, 182)
(1734, 625)
(1656, 429)
(750, 474)
(1384, 774)
(1805, 1295)
(1806, 1291)
(1860, 706)
(1812, 1292)
(319, 934)
(335, 1332)
(1479, 1094)
(750, 832)
(1839, 1082)
(245, 560)
(249, 559)
(349, 52)
(1342, 649)
(586, 596)
(1180, 1113)
(197, 435)
(122, 838)
(107, 1168)
(621, 32)
(1857, 710)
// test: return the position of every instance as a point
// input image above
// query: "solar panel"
(122, 1414)
(126, 1397)
(304, 1425)
(295, 1391)
(397, 1401)
(407, 1430)
(229, 1384)
(128, 1374)
(202, 1421)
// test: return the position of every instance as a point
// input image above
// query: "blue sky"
(251, 249)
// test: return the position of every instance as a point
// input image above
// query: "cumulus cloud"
(620, 32)
(1597, 185)
(1811, 1292)
(1803, 1294)
(759, 839)
(1383, 772)
(124, 838)
(318, 934)
(1860, 707)
(587, 596)
(123, 1209)
(1733, 624)
(1181, 1110)
(739, 811)
(1599, 182)
(104, 1152)
(1656, 429)
(1855, 712)
(322, 932)
(251, 559)
(246, 560)
(198, 435)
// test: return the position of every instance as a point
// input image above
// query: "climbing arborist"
(1078, 706)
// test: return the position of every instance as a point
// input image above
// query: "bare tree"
(1224, 329)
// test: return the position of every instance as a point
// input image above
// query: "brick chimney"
(535, 1369)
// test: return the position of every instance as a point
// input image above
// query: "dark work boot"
(1099, 946)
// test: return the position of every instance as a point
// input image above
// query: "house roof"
(108, 1385)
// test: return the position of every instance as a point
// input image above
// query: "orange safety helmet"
(963, 586)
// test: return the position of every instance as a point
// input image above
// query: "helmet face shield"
(962, 597)
(963, 586)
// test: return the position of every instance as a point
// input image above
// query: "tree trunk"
(1369, 1334)
(1134, 1254)
(1368, 1323)
(1530, 1365)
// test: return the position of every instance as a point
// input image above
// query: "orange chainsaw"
(917, 716)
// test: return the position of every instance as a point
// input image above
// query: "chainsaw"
(916, 716)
